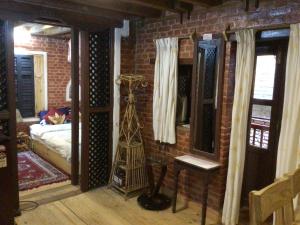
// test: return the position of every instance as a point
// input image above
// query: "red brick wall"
(213, 20)
(59, 70)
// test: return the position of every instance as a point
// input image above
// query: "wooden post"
(84, 43)
(12, 155)
(75, 105)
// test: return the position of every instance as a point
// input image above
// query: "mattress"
(58, 138)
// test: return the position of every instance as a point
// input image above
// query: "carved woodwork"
(97, 108)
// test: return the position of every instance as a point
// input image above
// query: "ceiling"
(98, 12)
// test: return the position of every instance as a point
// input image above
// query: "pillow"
(43, 122)
(42, 114)
(57, 119)
(68, 118)
(51, 112)
(65, 110)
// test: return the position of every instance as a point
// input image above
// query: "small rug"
(35, 171)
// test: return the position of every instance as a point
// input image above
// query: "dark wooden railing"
(259, 133)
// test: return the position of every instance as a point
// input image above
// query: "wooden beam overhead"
(70, 6)
(52, 31)
(120, 6)
(170, 5)
(34, 13)
(204, 2)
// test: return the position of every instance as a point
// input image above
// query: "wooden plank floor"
(105, 207)
(48, 193)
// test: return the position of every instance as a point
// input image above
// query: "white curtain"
(165, 90)
(288, 147)
(243, 84)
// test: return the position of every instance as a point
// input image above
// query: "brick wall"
(213, 20)
(59, 70)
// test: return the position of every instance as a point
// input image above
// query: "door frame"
(265, 47)
(60, 18)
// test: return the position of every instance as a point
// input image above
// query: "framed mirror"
(207, 97)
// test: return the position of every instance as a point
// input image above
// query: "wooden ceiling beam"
(33, 13)
(204, 2)
(70, 6)
(120, 6)
(170, 5)
(52, 31)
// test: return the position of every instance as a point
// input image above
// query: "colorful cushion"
(51, 112)
(57, 119)
(42, 114)
(65, 110)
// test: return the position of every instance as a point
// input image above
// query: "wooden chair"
(295, 183)
(273, 198)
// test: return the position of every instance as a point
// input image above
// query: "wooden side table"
(205, 167)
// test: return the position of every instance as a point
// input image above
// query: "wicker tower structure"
(128, 173)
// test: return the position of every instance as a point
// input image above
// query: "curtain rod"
(192, 37)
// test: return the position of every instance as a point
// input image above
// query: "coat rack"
(128, 172)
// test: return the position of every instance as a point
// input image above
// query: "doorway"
(265, 114)
(96, 106)
(42, 63)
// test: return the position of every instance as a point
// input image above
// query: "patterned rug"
(35, 171)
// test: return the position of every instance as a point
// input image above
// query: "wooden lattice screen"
(96, 109)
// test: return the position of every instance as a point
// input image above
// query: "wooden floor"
(48, 193)
(105, 207)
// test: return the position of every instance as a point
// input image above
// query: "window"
(263, 90)
(184, 94)
(207, 83)
(31, 82)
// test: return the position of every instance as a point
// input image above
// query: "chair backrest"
(270, 199)
(295, 180)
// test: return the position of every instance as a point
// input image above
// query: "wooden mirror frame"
(220, 70)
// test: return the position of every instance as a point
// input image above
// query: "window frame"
(220, 61)
(186, 62)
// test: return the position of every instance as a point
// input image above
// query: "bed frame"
(51, 156)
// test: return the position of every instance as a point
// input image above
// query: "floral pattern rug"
(35, 172)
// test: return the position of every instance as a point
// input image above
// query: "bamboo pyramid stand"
(128, 173)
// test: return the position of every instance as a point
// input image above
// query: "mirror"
(207, 96)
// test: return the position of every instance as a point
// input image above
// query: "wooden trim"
(269, 47)
(4, 115)
(221, 63)
(84, 40)
(112, 61)
(51, 156)
(37, 13)
(12, 153)
(75, 106)
(196, 83)
(100, 109)
(181, 61)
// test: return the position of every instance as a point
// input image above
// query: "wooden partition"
(97, 106)
(75, 106)
(9, 197)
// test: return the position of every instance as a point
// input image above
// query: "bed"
(53, 143)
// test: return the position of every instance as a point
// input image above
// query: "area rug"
(35, 171)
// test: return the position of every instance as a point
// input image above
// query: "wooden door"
(97, 102)
(265, 113)
(9, 196)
